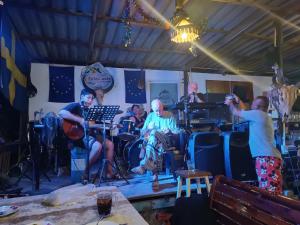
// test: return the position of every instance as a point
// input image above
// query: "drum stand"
(106, 113)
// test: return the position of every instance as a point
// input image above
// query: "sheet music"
(102, 113)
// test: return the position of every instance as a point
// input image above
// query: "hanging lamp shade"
(184, 31)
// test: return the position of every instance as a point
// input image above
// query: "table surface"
(81, 210)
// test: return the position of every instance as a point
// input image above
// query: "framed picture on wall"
(166, 92)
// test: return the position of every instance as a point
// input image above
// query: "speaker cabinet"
(238, 160)
(206, 152)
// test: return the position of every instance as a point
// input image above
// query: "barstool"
(188, 175)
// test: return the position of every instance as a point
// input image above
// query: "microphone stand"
(86, 137)
(107, 112)
(185, 113)
(90, 115)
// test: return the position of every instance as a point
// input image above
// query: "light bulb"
(184, 35)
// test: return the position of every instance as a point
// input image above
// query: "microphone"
(82, 104)
(192, 97)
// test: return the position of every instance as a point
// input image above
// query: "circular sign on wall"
(96, 77)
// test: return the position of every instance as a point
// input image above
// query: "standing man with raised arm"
(156, 127)
(76, 112)
(268, 161)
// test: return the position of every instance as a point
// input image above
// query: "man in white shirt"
(268, 161)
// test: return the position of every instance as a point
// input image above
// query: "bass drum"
(132, 152)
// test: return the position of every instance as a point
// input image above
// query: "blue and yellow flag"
(61, 84)
(15, 65)
(135, 90)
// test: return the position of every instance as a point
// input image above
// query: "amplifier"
(206, 152)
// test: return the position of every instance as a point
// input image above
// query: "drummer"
(137, 117)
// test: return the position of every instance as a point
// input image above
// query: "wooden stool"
(188, 175)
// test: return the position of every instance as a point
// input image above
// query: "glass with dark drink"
(104, 202)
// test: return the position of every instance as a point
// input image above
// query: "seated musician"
(76, 112)
(137, 117)
(143, 112)
(156, 127)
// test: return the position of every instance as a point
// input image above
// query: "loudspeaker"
(206, 152)
(240, 162)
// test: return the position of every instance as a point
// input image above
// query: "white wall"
(116, 96)
(40, 78)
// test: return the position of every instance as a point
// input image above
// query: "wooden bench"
(234, 202)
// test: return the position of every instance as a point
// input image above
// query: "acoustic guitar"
(75, 131)
(72, 130)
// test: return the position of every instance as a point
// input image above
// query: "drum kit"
(130, 143)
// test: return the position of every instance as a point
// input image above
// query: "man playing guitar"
(74, 114)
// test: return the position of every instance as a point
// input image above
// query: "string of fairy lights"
(132, 7)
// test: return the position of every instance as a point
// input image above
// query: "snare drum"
(132, 151)
(127, 126)
(126, 131)
(126, 136)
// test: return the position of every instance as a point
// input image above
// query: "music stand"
(107, 113)
(92, 115)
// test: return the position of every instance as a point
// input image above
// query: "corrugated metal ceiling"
(239, 32)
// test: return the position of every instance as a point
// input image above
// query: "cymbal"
(119, 112)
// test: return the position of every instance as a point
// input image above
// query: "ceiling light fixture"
(185, 30)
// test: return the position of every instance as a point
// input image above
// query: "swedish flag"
(15, 66)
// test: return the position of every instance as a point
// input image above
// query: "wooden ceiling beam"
(107, 64)
(15, 4)
(221, 70)
(93, 30)
(156, 67)
(251, 3)
(288, 9)
(132, 21)
(97, 45)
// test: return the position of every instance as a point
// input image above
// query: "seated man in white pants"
(156, 127)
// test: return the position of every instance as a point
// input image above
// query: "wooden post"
(278, 40)
(186, 83)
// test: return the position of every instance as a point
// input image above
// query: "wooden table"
(81, 211)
